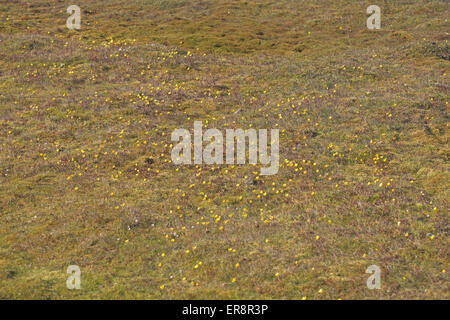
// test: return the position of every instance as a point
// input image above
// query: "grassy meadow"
(86, 176)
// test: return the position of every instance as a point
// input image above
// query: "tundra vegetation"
(86, 176)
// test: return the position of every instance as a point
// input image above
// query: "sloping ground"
(86, 176)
